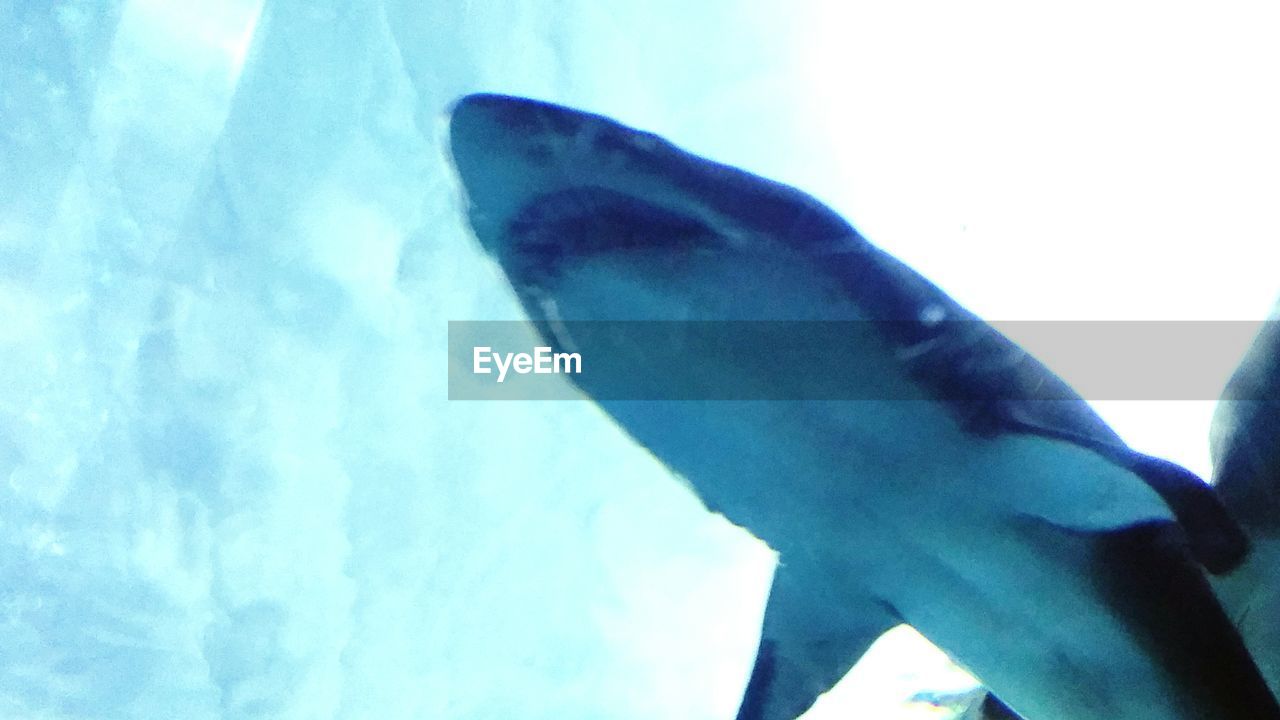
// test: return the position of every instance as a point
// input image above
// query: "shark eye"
(585, 220)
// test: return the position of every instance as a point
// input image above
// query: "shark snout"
(527, 163)
(501, 163)
(511, 130)
(510, 153)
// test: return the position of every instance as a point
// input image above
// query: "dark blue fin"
(811, 638)
(1214, 537)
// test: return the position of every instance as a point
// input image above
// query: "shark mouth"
(561, 228)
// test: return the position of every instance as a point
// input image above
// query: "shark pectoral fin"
(809, 641)
(1216, 539)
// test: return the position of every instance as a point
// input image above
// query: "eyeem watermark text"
(541, 362)
(962, 361)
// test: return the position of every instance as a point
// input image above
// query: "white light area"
(883, 687)
(23, 313)
(333, 218)
(1174, 429)
(1099, 162)
(648, 600)
(198, 37)
(164, 96)
(236, 47)
(1110, 162)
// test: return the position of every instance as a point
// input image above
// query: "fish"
(962, 488)
(1245, 447)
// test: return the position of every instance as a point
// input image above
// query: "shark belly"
(962, 538)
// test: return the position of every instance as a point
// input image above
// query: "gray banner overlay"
(729, 360)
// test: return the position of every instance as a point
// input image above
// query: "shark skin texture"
(1245, 442)
(1063, 569)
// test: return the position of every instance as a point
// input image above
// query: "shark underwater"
(1066, 571)
(1245, 444)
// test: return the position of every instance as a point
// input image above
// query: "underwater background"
(231, 484)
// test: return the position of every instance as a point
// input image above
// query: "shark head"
(593, 220)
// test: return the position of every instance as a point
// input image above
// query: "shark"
(1067, 571)
(1245, 445)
